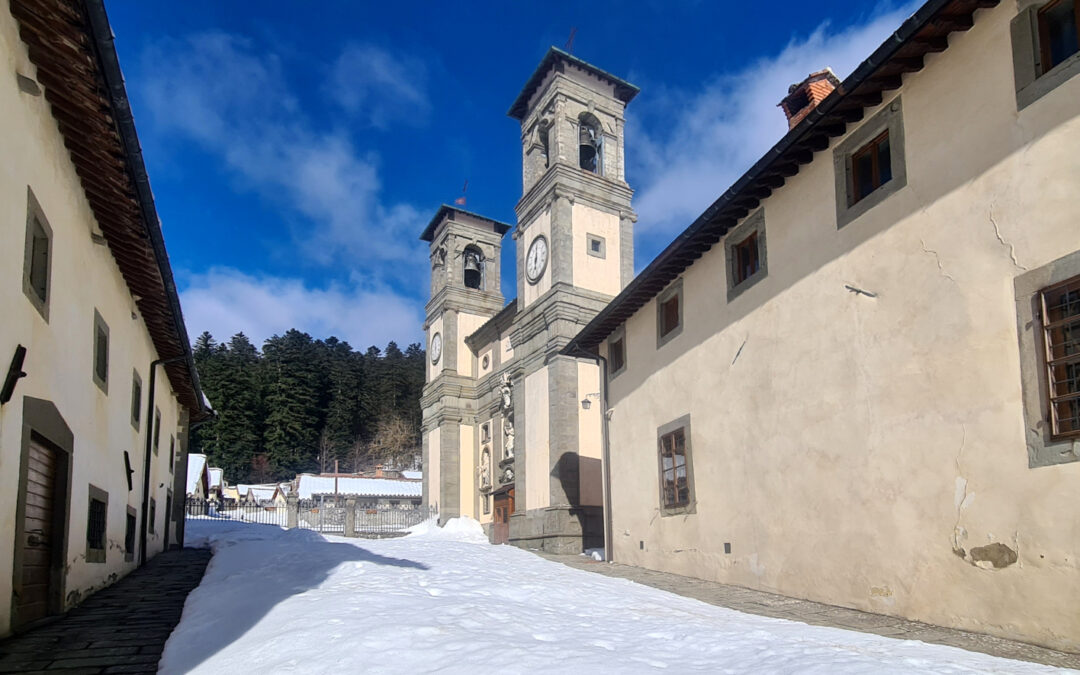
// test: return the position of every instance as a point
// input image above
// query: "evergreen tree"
(293, 415)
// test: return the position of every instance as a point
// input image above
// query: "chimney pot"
(806, 95)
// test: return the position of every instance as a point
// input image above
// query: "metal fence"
(328, 515)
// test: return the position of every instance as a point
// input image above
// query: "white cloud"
(215, 90)
(226, 301)
(692, 145)
(378, 87)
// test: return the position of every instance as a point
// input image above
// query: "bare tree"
(260, 469)
(326, 453)
(395, 442)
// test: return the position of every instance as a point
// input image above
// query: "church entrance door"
(504, 508)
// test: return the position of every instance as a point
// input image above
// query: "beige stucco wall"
(855, 441)
(434, 369)
(590, 272)
(84, 276)
(540, 226)
(537, 471)
(467, 325)
(589, 438)
(432, 470)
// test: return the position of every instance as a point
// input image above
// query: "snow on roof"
(216, 476)
(364, 487)
(196, 469)
(414, 475)
(260, 492)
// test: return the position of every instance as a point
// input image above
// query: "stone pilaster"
(626, 247)
(563, 431)
(562, 239)
(449, 470)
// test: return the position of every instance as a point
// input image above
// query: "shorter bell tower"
(465, 293)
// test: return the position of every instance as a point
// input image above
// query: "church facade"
(512, 431)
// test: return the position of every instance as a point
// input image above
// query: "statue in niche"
(508, 475)
(508, 436)
(507, 393)
(485, 433)
(485, 469)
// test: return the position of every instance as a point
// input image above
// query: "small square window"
(1045, 48)
(597, 246)
(37, 260)
(746, 254)
(669, 313)
(136, 400)
(101, 352)
(676, 473)
(869, 164)
(96, 525)
(746, 260)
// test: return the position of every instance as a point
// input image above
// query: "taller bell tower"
(575, 251)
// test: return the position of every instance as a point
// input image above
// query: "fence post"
(350, 517)
(293, 517)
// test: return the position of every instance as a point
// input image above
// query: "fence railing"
(342, 516)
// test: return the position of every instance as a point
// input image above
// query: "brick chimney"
(806, 95)
(379, 471)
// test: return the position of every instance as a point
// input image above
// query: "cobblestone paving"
(781, 607)
(121, 629)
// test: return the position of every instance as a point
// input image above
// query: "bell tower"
(575, 251)
(465, 293)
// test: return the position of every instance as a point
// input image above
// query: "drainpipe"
(150, 451)
(605, 450)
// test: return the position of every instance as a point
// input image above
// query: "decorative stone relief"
(507, 393)
(485, 470)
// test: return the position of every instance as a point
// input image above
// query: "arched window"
(473, 266)
(590, 144)
(542, 136)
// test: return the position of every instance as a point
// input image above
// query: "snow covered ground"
(444, 600)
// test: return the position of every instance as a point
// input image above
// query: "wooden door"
(39, 534)
(504, 508)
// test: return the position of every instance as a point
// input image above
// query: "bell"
(473, 275)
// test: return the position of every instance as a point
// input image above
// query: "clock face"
(436, 347)
(536, 259)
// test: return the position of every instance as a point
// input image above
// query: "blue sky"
(297, 150)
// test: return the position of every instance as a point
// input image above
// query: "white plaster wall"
(589, 436)
(84, 276)
(590, 272)
(467, 467)
(854, 441)
(434, 369)
(540, 226)
(433, 468)
(537, 469)
(467, 325)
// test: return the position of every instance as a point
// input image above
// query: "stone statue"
(507, 393)
(485, 469)
(508, 436)
(508, 475)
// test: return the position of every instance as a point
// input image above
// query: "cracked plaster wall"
(858, 430)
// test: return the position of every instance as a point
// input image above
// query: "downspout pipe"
(150, 450)
(605, 449)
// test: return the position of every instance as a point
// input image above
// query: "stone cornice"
(565, 181)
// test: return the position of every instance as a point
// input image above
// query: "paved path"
(782, 607)
(121, 629)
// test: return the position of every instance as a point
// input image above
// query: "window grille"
(1061, 332)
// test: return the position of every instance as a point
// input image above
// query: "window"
(616, 354)
(101, 352)
(870, 168)
(590, 144)
(136, 399)
(1048, 327)
(157, 429)
(869, 164)
(676, 474)
(746, 254)
(151, 520)
(129, 535)
(1059, 32)
(1061, 332)
(1045, 46)
(595, 246)
(545, 145)
(96, 525)
(669, 314)
(37, 260)
(172, 452)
